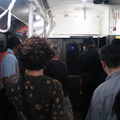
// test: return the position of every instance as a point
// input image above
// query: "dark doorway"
(73, 51)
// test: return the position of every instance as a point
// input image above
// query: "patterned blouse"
(45, 96)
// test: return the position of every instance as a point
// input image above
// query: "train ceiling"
(56, 8)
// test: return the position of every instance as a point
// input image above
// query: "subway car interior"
(65, 22)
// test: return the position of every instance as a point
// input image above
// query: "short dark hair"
(116, 42)
(88, 41)
(12, 42)
(34, 53)
(110, 54)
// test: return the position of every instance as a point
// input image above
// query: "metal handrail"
(9, 16)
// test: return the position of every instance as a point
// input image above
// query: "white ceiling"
(73, 8)
(58, 8)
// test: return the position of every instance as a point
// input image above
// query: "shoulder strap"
(29, 113)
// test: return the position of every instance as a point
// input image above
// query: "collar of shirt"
(112, 75)
(9, 50)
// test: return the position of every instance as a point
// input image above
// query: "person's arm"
(58, 105)
(9, 65)
(94, 112)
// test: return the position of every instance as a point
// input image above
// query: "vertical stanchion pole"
(45, 32)
(30, 21)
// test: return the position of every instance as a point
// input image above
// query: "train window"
(72, 54)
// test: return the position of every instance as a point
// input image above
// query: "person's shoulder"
(13, 79)
(82, 54)
(102, 91)
(12, 84)
(56, 62)
(61, 62)
(57, 84)
(53, 81)
(9, 56)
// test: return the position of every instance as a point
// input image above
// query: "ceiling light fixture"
(37, 14)
(83, 0)
(37, 17)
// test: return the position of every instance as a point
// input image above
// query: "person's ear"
(103, 64)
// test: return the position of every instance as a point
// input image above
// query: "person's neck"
(111, 70)
(55, 58)
(34, 72)
(14, 50)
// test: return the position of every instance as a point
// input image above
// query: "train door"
(73, 50)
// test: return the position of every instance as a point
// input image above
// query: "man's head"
(88, 41)
(116, 41)
(13, 42)
(56, 49)
(110, 57)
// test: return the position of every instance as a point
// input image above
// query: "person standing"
(57, 69)
(35, 95)
(91, 72)
(101, 106)
(8, 65)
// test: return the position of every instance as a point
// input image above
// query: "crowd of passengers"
(34, 81)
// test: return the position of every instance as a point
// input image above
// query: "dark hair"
(88, 41)
(12, 42)
(110, 54)
(116, 42)
(34, 53)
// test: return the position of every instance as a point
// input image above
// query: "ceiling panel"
(71, 7)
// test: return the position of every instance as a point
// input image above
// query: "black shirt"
(57, 69)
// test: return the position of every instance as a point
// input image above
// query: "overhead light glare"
(83, 0)
(37, 17)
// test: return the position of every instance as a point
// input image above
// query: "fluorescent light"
(37, 17)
